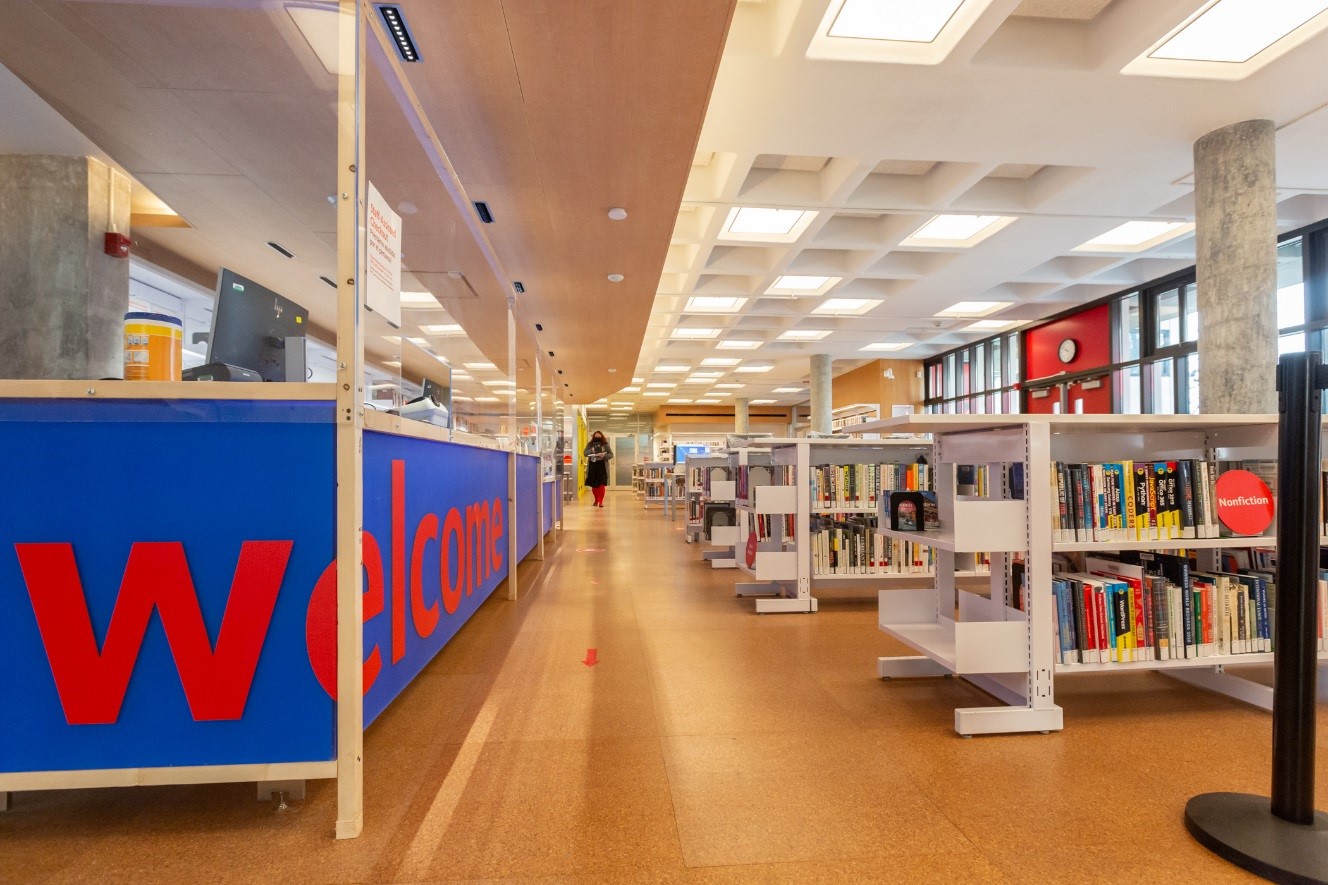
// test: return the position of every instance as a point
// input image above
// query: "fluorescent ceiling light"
(752, 368)
(803, 334)
(630, 390)
(672, 369)
(768, 225)
(788, 390)
(910, 21)
(796, 285)
(720, 393)
(854, 306)
(957, 231)
(720, 361)
(707, 402)
(487, 399)
(480, 365)
(698, 379)
(661, 384)
(678, 401)
(714, 304)
(886, 345)
(419, 342)
(461, 399)
(442, 329)
(737, 344)
(419, 299)
(973, 308)
(657, 393)
(989, 325)
(1234, 31)
(709, 373)
(598, 406)
(1136, 236)
(730, 386)
(499, 384)
(637, 380)
(692, 334)
(762, 402)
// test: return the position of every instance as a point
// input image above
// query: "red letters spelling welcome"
(92, 681)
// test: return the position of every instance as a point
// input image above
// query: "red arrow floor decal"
(592, 657)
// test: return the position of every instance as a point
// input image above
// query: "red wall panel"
(1091, 329)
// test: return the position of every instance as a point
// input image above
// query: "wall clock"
(1068, 350)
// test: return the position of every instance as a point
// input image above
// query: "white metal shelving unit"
(655, 476)
(1010, 653)
(710, 481)
(781, 575)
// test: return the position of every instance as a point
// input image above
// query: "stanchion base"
(1242, 829)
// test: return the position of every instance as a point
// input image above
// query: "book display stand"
(1284, 839)
(1005, 639)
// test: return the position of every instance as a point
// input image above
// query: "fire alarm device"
(1068, 350)
(117, 245)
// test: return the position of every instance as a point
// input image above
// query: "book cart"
(1010, 652)
(782, 572)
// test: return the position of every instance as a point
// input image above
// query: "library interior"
(704, 441)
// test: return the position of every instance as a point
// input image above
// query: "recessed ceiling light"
(630, 390)
(698, 379)
(737, 344)
(1235, 31)
(957, 231)
(803, 334)
(1136, 236)
(762, 402)
(761, 224)
(419, 342)
(730, 386)
(678, 401)
(714, 304)
(788, 390)
(853, 306)
(799, 285)
(419, 299)
(615, 278)
(693, 334)
(399, 31)
(989, 325)
(752, 368)
(720, 393)
(657, 393)
(637, 380)
(973, 308)
(707, 402)
(499, 383)
(720, 361)
(886, 345)
(661, 384)
(487, 399)
(479, 365)
(442, 329)
(909, 21)
(671, 369)
(707, 374)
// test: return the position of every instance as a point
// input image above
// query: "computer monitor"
(250, 325)
(437, 392)
(681, 451)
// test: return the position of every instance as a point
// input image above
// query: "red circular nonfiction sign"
(1244, 503)
(751, 550)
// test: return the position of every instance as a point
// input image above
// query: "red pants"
(599, 495)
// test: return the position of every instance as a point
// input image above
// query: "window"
(979, 378)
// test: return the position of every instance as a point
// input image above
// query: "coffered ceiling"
(1027, 130)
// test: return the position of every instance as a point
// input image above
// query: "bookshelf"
(785, 570)
(638, 479)
(1005, 644)
(709, 481)
(655, 477)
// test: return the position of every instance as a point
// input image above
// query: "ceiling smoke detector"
(617, 213)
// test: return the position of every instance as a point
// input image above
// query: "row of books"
(858, 486)
(1138, 500)
(980, 481)
(1158, 609)
(852, 546)
(700, 478)
(765, 525)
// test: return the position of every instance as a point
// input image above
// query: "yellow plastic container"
(152, 346)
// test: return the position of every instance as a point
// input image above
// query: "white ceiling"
(1028, 117)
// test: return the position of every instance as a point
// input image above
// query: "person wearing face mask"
(598, 454)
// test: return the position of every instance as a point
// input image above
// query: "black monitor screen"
(250, 326)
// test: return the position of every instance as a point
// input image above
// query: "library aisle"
(707, 744)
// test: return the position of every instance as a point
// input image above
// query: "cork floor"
(707, 745)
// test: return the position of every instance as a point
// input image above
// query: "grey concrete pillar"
(1235, 202)
(741, 421)
(821, 392)
(63, 299)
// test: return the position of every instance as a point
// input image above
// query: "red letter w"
(92, 683)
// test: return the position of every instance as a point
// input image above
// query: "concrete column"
(741, 421)
(821, 381)
(62, 297)
(1236, 249)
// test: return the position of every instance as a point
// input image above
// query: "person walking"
(598, 454)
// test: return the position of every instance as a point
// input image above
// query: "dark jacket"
(598, 454)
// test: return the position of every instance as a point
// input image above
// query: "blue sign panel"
(527, 496)
(156, 565)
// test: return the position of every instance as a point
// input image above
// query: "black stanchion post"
(1284, 839)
